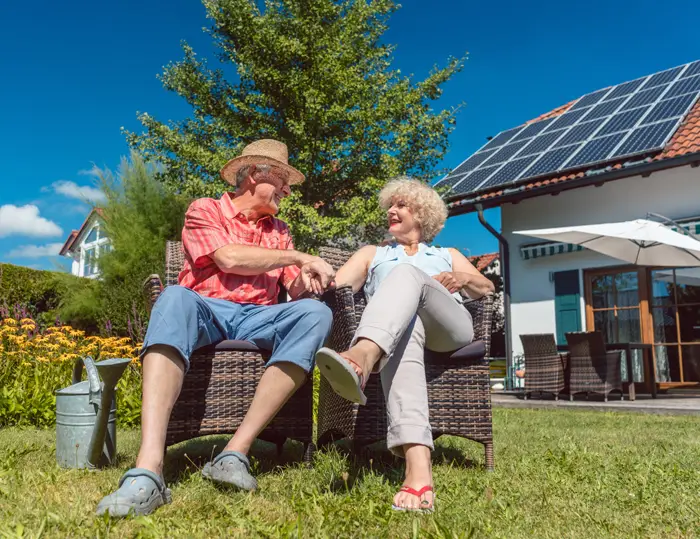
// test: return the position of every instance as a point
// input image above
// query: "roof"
(75, 234)
(685, 142)
(481, 262)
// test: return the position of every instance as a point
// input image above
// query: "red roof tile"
(481, 262)
(685, 141)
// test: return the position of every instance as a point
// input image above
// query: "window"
(92, 236)
(89, 261)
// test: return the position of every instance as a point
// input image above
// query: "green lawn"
(558, 474)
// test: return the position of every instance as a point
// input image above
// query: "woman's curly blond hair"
(425, 204)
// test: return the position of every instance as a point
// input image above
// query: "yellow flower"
(27, 321)
(9, 322)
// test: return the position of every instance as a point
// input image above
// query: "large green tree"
(316, 75)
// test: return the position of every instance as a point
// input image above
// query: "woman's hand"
(449, 280)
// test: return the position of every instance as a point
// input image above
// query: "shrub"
(34, 293)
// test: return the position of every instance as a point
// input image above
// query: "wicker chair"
(544, 366)
(458, 383)
(593, 369)
(221, 382)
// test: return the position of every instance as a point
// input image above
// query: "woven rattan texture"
(219, 388)
(592, 368)
(458, 392)
(544, 366)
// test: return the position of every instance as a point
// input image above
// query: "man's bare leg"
(163, 372)
(277, 385)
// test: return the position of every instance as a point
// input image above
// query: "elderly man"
(237, 253)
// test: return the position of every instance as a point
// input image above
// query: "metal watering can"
(86, 435)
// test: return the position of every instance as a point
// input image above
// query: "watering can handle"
(93, 377)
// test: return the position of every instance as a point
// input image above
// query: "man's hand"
(449, 280)
(317, 275)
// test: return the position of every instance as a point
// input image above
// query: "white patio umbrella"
(641, 242)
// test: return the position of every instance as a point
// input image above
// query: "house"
(84, 246)
(615, 154)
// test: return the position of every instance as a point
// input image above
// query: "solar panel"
(551, 161)
(590, 99)
(509, 172)
(506, 153)
(579, 133)
(473, 180)
(670, 108)
(532, 129)
(663, 78)
(685, 86)
(468, 165)
(645, 97)
(502, 138)
(624, 89)
(623, 121)
(596, 150)
(631, 119)
(693, 69)
(603, 109)
(648, 136)
(541, 143)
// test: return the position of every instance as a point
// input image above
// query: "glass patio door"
(614, 309)
(675, 313)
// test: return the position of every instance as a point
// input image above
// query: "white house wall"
(674, 193)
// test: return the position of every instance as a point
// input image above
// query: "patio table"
(649, 373)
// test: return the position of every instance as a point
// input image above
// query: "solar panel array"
(631, 119)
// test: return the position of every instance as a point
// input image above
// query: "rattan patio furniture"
(544, 366)
(593, 369)
(458, 382)
(221, 382)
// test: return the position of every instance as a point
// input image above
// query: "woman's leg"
(405, 292)
(409, 434)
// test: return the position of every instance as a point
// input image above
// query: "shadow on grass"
(377, 459)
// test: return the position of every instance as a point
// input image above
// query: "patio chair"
(544, 366)
(221, 382)
(592, 368)
(458, 382)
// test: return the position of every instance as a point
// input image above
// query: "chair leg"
(488, 456)
(309, 453)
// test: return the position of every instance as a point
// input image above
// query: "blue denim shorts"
(293, 331)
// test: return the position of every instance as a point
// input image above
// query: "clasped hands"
(317, 275)
(452, 280)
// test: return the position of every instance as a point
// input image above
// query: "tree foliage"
(139, 216)
(316, 75)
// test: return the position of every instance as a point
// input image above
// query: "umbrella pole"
(681, 228)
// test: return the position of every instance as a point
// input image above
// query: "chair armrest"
(153, 287)
(342, 304)
(614, 355)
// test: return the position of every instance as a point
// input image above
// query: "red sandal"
(418, 494)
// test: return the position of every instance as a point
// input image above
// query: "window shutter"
(567, 303)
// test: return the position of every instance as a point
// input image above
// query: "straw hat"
(262, 152)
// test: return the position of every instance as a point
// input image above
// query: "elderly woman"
(415, 298)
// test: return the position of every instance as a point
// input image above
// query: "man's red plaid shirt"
(211, 224)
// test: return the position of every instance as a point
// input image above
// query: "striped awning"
(539, 250)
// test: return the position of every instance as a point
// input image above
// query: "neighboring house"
(613, 155)
(85, 246)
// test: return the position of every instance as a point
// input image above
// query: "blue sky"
(74, 72)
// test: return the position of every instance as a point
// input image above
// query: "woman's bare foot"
(419, 474)
(363, 356)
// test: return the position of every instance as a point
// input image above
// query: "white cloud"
(94, 172)
(35, 251)
(81, 192)
(25, 221)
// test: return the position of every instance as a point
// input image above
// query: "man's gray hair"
(244, 172)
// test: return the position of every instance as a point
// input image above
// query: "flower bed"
(34, 363)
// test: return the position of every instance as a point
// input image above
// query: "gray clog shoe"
(230, 468)
(140, 492)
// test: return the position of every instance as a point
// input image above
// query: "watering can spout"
(110, 370)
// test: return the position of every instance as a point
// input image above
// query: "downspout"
(504, 253)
